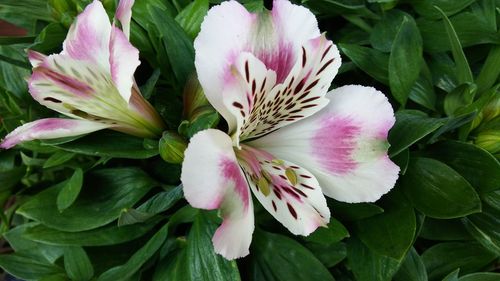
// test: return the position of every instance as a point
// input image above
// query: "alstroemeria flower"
(289, 141)
(91, 81)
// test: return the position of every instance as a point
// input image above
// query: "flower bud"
(489, 140)
(172, 147)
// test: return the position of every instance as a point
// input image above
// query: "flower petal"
(290, 193)
(344, 145)
(35, 58)
(269, 36)
(50, 128)
(124, 60)
(88, 37)
(212, 179)
(124, 15)
(260, 107)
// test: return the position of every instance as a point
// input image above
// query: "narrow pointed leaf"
(70, 190)
(77, 264)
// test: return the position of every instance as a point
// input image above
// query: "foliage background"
(107, 207)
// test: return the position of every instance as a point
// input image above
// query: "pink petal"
(88, 37)
(35, 58)
(124, 60)
(124, 15)
(212, 179)
(50, 128)
(344, 145)
(288, 192)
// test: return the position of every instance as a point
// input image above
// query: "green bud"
(489, 140)
(172, 147)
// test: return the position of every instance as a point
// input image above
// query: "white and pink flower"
(91, 81)
(289, 140)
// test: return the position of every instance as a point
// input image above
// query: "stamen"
(291, 175)
(263, 186)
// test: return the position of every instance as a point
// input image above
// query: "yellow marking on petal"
(291, 175)
(263, 185)
(278, 161)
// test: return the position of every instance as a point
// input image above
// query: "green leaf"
(481, 276)
(490, 72)
(368, 265)
(385, 31)
(107, 235)
(116, 145)
(407, 48)
(409, 129)
(50, 38)
(70, 190)
(382, 235)
(453, 276)
(202, 262)
(24, 13)
(77, 264)
(354, 211)
(484, 228)
(191, 17)
(58, 158)
(333, 233)
(32, 268)
(140, 257)
(107, 192)
(329, 255)
(10, 178)
(443, 258)
(464, 73)
(444, 230)
(12, 76)
(412, 268)
(373, 62)
(459, 98)
(449, 7)
(476, 165)
(422, 92)
(279, 258)
(430, 185)
(177, 44)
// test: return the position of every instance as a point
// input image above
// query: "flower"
(289, 141)
(91, 81)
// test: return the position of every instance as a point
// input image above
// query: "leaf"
(58, 158)
(444, 230)
(329, 255)
(116, 145)
(449, 7)
(140, 257)
(443, 258)
(70, 190)
(77, 264)
(481, 276)
(354, 211)
(407, 48)
(490, 71)
(382, 235)
(279, 258)
(476, 165)
(373, 62)
(459, 98)
(368, 265)
(32, 267)
(107, 192)
(191, 17)
(464, 73)
(201, 260)
(333, 233)
(12, 76)
(484, 228)
(430, 185)
(412, 268)
(177, 44)
(107, 235)
(385, 31)
(453, 276)
(410, 128)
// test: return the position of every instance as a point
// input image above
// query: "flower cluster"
(290, 140)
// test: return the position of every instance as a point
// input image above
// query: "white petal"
(35, 58)
(288, 192)
(88, 37)
(124, 15)
(229, 29)
(344, 146)
(124, 60)
(212, 179)
(50, 128)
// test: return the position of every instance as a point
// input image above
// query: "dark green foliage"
(106, 206)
